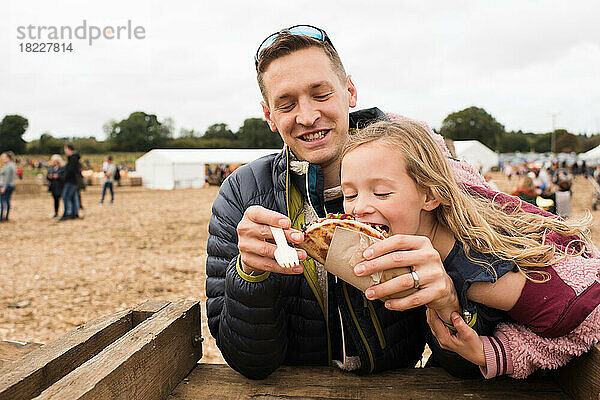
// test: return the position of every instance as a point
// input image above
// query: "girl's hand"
(436, 289)
(465, 342)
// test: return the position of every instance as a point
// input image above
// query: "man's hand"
(255, 241)
(465, 342)
(436, 289)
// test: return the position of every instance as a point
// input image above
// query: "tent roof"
(207, 156)
(592, 154)
(462, 146)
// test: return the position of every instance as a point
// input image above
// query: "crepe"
(317, 236)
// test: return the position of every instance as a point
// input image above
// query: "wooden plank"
(146, 363)
(11, 351)
(34, 372)
(146, 309)
(581, 377)
(216, 381)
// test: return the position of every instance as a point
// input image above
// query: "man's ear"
(352, 91)
(430, 202)
(267, 114)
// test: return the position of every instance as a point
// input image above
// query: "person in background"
(563, 198)
(20, 172)
(109, 176)
(69, 192)
(55, 177)
(80, 187)
(8, 175)
(597, 174)
(525, 190)
(545, 178)
(509, 170)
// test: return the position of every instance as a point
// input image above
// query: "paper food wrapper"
(345, 252)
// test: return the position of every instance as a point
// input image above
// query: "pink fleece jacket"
(517, 350)
(562, 315)
(559, 325)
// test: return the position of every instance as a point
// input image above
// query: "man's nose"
(307, 113)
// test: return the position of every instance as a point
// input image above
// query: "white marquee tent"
(182, 168)
(476, 153)
(591, 156)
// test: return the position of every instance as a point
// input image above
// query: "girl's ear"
(430, 202)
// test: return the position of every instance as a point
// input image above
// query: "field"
(149, 244)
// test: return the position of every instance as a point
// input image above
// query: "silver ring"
(416, 279)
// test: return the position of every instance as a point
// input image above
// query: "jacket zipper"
(360, 332)
(317, 293)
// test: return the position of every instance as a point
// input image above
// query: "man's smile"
(315, 135)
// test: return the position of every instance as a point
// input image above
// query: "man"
(70, 189)
(109, 176)
(262, 315)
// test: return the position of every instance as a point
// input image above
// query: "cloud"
(520, 60)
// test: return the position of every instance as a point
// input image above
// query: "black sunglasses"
(300, 30)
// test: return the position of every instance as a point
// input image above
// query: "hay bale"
(136, 181)
(28, 188)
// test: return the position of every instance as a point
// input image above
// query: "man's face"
(308, 105)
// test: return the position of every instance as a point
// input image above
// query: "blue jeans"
(70, 199)
(5, 199)
(109, 186)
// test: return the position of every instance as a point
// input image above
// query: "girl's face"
(378, 190)
(4, 158)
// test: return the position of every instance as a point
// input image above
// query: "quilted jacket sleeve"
(245, 313)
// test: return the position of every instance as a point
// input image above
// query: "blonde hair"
(479, 223)
(527, 183)
(57, 157)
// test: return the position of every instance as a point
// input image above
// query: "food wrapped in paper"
(345, 252)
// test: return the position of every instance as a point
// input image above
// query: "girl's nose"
(362, 207)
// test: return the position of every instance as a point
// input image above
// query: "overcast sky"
(520, 60)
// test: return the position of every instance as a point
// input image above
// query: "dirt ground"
(148, 245)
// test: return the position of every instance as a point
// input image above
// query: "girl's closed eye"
(349, 197)
(382, 195)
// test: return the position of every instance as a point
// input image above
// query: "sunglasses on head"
(300, 30)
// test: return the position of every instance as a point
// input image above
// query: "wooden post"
(581, 377)
(146, 363)
(29, 376)
(145, 310)
(12, 351)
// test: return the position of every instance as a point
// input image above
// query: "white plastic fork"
(285, 255)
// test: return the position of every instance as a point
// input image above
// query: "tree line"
(142, 132)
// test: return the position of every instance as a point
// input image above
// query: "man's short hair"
(109, 158)
(287, 43)
(70, 146)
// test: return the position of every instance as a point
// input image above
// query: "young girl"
(527, 279)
